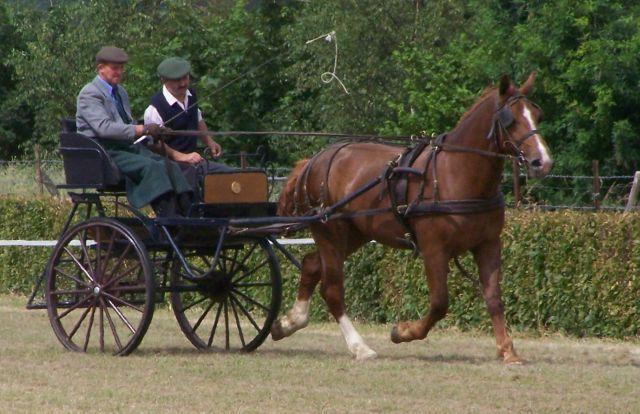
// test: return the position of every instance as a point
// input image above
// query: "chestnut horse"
(501, 124)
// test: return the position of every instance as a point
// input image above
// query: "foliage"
(409, 67)
(574, 273)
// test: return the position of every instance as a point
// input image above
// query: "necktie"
(120, 106)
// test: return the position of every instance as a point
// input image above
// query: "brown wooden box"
(236, 187)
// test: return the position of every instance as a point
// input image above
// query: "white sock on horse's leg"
(297, 318)
(355, 343)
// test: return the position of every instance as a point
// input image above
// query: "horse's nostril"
(536, 163)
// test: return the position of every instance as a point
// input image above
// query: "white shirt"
(151, 115)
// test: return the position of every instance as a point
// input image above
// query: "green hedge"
(569, 272)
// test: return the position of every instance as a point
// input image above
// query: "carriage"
(112, 264)
(217, 266)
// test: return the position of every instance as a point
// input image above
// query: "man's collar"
(105, 84)
(169, 97)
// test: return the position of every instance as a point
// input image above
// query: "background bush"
(569, 272)
(410, 66)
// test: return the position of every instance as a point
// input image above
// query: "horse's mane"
(486, 94)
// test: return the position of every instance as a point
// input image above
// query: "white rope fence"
(52, 243)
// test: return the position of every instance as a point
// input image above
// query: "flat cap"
(111, 54)
(173, 68)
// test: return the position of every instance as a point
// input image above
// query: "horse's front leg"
(488, 258)
(436, 263)
(332, 291)
(298, 317)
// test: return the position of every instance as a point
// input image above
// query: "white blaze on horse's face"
(537, 152)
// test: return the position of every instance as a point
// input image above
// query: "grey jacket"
(97, 116)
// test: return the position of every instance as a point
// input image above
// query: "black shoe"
(165, 206)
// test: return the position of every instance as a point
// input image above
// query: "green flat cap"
(111, 54)
(173, 68)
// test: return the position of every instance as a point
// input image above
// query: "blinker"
(505, 116)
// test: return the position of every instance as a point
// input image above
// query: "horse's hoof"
(277, 333)
(395, 336)
(366, 354)
(362, 352)
(513, 360)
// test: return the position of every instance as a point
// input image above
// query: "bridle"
(503, 118)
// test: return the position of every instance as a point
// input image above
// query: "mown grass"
(311, 372)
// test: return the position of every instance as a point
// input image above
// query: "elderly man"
(103, 112)
(175, 106)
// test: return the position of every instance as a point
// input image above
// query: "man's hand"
(155, 130)
(216, 149)
(192, 158)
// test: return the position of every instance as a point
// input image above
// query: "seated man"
(103, 112)
(176, 107)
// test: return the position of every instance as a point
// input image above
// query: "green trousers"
(147, 174)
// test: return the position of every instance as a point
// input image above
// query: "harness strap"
(471, 206)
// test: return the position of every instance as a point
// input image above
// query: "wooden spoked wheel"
(233, 306)
(100, 288)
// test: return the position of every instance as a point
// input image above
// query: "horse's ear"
(527, 88)
(506, 88)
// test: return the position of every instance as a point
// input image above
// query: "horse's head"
(515, 127)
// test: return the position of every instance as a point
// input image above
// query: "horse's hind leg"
(488, 259)
(436, 265)
(298, 317)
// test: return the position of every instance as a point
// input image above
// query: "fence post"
(515, 168)
(633, 194)
(39, 169)
(596, 184)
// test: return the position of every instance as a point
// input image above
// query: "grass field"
(311, 372)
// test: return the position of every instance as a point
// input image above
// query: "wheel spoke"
(235, 268)
(75, 279)
(201, 318)
(235, 314)
(85, 252)
(113, 280)
(122, 317)
(93, 312)
(70, 292)
(98, 241)
(116, 337)
(246, 312)
(253, 284)
(252, 271)
(226, 325)
(192, 305)
(215, 325)
(122, 301)
(119, 262)
(77, 262)
(79, 322)
(109, 250)
(75, 306)
(250, 299)
(101, 326)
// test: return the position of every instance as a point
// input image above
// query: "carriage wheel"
(234, 305)
(100, 288)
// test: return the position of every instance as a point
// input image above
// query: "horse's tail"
(287, 202)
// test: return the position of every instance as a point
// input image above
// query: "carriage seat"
(87, 164)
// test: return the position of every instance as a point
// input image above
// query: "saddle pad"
(236, 187)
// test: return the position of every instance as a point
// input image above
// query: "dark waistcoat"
(183, 120)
